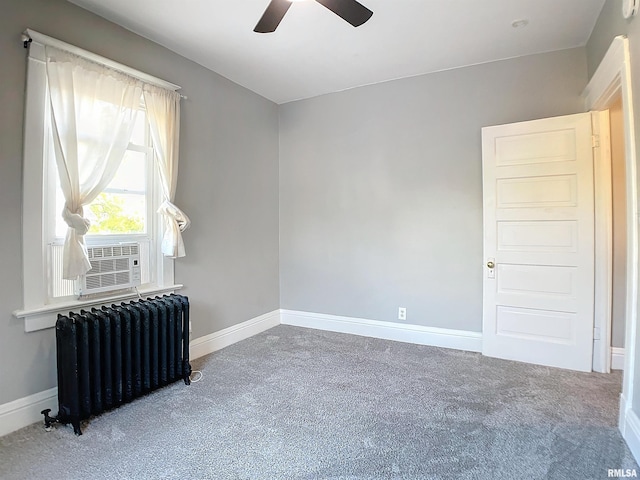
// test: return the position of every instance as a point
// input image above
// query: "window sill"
(45, 317)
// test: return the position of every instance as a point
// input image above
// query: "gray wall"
(609, 25)
(228, 185)
(381, 187)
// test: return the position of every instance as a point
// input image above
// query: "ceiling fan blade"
(353, 12)
(272, 16)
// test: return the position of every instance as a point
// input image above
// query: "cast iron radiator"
(110, 356)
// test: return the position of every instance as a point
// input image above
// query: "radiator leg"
(48, 420)
(76, 426)
(187, 373)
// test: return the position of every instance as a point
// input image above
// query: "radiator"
(110, 356)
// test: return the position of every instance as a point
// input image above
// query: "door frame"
(613, 79)
(603, 259)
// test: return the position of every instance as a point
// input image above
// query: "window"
(133, 184)
(124, 212)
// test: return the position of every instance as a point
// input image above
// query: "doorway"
(619, 234)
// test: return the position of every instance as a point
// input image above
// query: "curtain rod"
(30, 36)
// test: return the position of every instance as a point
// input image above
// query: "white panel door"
(539, 242)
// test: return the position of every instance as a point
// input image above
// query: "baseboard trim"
(218, 340)
(631, 432)
(25, 411)
(617, 358)
(622, 414)
(436, 337)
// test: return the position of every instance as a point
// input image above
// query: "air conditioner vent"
(113, 267)
(109, 251)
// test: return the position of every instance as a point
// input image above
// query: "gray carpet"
(295, 403)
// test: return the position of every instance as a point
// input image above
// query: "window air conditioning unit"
(113, 267)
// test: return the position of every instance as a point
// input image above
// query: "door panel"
(543, 147)
(539, 234)
(536, 325)
(537, 280)
(557, 236)
(535, 192)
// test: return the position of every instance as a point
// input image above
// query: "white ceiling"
(314, 52)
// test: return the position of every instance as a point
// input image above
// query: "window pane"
(139, 136)
(117, 214)
(121, 208)
(61, 226)
(131, 176)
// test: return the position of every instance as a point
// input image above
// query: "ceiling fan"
(350, 10)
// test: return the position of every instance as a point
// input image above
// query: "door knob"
(490, 264)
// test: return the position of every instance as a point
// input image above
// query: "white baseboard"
(436, 337)
(631, 430)
(622, 411)
(25, 411)
(617, 358)
(218, 340)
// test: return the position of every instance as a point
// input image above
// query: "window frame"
(38, 310)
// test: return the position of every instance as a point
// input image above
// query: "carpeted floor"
(294, 403)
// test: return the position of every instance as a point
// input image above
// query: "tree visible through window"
(111, 215)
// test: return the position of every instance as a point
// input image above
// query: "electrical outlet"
(190, 327)
(402, 313)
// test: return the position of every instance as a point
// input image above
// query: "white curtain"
(93, 110)
(163, 112)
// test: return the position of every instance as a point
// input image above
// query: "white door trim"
(613, 78)
(603, 242)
